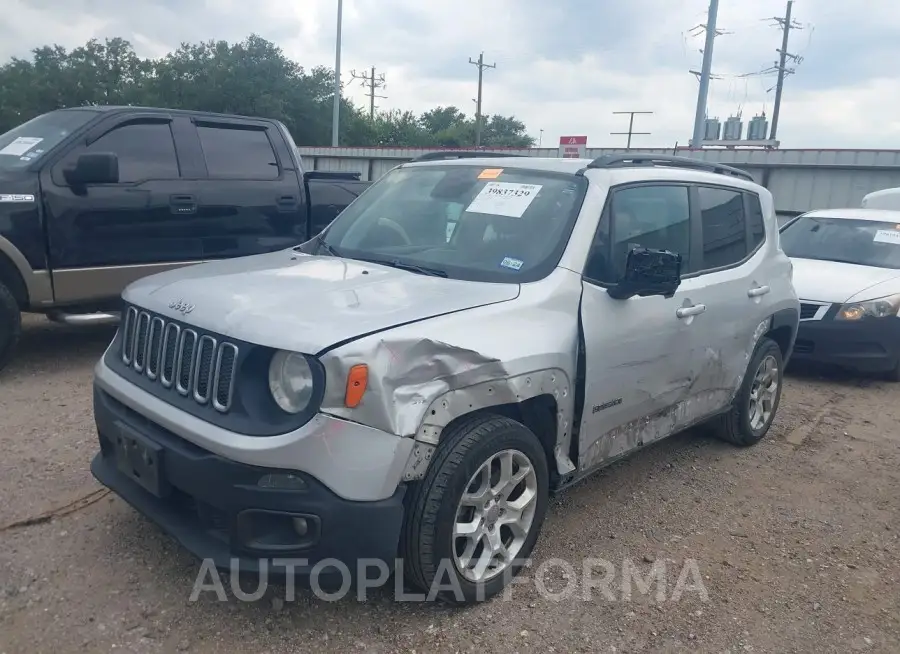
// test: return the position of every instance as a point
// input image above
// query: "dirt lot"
(797, 542)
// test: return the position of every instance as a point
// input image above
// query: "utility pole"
(706, 70)
(630, 131)
(336, 115)
(481, 66)
(786, 26)
(373, 83)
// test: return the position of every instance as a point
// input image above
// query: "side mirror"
(649, 272)
(93, 168)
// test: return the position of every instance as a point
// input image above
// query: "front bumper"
(215, 508)
(868, 345)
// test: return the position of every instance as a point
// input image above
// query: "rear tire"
(444, 505)
(756, 404)
(10, 325)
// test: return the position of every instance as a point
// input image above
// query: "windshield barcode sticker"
(21, 145)
(504, 199)
(887, 236)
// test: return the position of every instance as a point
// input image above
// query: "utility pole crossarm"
(372, 83)
(481, 67)
(630, 131)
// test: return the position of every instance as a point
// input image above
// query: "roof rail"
(648, 159)
(462, 154)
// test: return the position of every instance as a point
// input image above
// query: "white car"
(847, 274)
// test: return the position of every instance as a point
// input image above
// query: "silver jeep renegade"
(469, 336)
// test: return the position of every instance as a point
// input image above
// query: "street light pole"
(336, 116)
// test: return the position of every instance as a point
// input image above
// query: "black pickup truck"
(93, 198)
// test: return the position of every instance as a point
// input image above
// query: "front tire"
(474, 519)
(756, 404)
(10, 325)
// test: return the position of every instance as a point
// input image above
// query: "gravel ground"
(795, 542)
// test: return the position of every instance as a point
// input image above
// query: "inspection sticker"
(887, 236)
(504, 199)
(514, 264)
(490, 173)
(21, 145)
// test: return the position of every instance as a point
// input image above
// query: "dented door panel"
(637, 372)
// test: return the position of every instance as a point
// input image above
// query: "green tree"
(253, 77)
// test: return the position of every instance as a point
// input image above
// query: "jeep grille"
(194, 364)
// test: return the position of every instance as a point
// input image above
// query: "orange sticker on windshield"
(490, 173)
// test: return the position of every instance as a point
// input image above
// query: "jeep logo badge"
(181, 306)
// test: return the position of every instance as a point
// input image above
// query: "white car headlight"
(880, 308)
(291, 381)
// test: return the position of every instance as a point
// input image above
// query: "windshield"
(462, 221)
(862, 242)
(22, 145)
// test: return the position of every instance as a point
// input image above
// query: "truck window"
(145, 151)
(237, 152)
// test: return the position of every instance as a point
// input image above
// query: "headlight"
(880, 308)
(291, 381)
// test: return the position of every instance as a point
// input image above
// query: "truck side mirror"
(93, 168)
(649, 272)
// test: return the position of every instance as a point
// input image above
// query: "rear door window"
(724, 226)
(237, 152)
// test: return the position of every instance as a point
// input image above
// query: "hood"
(831, 281)
(306, 303)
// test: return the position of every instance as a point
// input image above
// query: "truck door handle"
(182, 204)
(759, 290)
(286, 202)
(686, 312)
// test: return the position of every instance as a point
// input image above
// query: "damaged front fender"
(416, 387)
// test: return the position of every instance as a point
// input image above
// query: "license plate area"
(140, 459)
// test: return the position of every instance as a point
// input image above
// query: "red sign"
(573, 147)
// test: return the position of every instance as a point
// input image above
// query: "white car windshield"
(862, 242)
(462, 221)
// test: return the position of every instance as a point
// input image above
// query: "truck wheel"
(756, 403)
(474, 519)
(10, 325)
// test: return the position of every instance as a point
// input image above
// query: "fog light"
(301, 526)
(282, 482)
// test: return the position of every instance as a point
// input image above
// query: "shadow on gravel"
(46, 346)
(832, 375)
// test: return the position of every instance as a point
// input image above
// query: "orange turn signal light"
(357, 380)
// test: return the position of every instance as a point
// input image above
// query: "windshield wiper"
(411, 267)
(320, 241)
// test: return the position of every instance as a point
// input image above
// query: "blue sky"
(562, 66)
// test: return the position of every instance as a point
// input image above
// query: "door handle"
(759, 290)
(182, 204)
(286, 202)
(686, 312)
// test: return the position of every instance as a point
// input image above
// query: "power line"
(373, 83)
(786, 24)
(630, 131)
(481, 66)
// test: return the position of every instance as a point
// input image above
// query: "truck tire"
(10, 325)
(756, 404)
(500, 520)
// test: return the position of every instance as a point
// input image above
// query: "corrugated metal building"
(800, 180)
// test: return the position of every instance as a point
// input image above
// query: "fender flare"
(484, 395)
